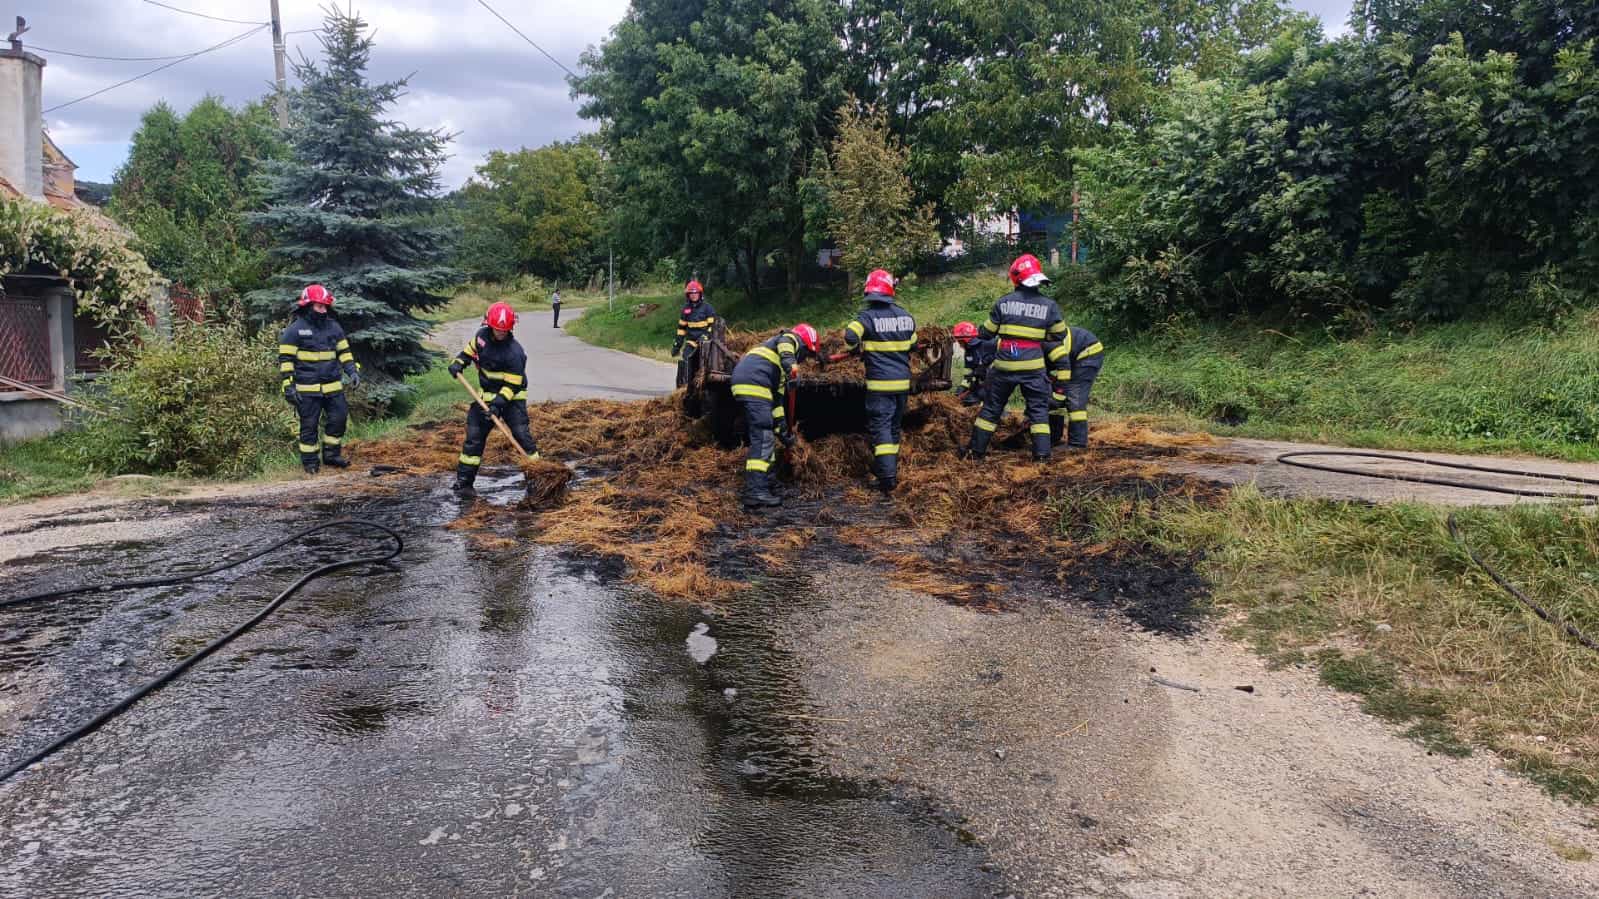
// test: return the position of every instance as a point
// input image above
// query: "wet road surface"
(495, 723)
(561, 367)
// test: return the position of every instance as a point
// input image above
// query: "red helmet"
(807, 335)
(315, 293)
(1027, 271)
(500, 317)
(964, 331)
(693, 287)
(881, 282)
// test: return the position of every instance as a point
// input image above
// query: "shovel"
(545, 491)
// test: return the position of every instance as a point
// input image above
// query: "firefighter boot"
(1077, 435)
(311, 465)
(1041, 447)
(757, 492)
(334, 456)
(978, 448)
(464, 476)
(1057, 427)
(887, 484)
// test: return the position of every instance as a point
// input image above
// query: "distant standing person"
(315, 359)
(555, 304)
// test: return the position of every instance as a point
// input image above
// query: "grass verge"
(1385, 605)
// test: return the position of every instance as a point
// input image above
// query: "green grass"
(1476, 387)
(47, 467)
(1385, 605)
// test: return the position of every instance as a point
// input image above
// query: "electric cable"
(526, 38)
(227, 43)
(201, 15)
(1571, 629)
(1294, 459)
(172, 673)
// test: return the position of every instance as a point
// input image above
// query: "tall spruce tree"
(351, 210)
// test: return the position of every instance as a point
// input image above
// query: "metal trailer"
(821, 405)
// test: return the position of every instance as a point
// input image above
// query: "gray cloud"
(470, 74)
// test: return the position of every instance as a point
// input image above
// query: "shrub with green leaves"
(203, 403)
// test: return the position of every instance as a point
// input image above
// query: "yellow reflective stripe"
(777, 411)
(343, 344)
(287, 381)
(1058, 352)
(1079, 415)
(1063, 374)
(1041, 428)
(1058, 413)
(287, 349)
(285, 366)
(332, 441)
(314, 355)
(1094, 349)
(985, 424)
(1023, 331)
(681, 332)
(753, 390)
(885, 449)
(699, 324)
(855, 328)
(471, 460)
(309, 447)
(346, 357)
(770, 355)
(333, 387)
(887, 346)
(520, 395)
(505, 376)
(757, 465)
(990, 326)
(888, 386)
(470, 349)
(1018, 364)
(1059, 328)
(791, 340)
(1058, 397)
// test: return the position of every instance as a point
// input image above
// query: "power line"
(112, 58)
(227, 43)
(202, 15)
(528, 39)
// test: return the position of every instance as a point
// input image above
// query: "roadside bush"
(203, 403)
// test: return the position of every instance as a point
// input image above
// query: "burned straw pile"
(658, 494)
(932, 348)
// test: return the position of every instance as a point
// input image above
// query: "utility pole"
(611, 302)
(277, 61)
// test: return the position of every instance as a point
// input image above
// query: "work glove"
(677, 348)
(787, 436)
(457, 367)
(499, 405)
(290, 395)
(354, 378)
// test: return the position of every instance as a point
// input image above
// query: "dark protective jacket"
(979, 355)
(501, 364)
(884, 333)
(1022, 320)
(696, 319)
(1076, 349)
(313, 353)
(762, 373)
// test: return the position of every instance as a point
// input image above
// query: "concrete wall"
(22, 121)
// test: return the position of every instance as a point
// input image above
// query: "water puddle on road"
(472, 721)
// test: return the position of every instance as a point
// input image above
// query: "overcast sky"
(470, 73)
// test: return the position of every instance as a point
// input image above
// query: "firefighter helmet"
(881, 282)
(964, 331)
(315, 293)
(1027, 271)
(500, 317)
(693, 287)
(807, 335)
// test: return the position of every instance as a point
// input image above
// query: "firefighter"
(313, 354)
(1022, 320)
(694, 326)
(760, 384)
(979, 355)
(502, 374)
(884, 333)
(1074, 364)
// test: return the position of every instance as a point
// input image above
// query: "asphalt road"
(561, 367)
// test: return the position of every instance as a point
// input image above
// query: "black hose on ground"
(1571, 630)
(1294, 460)
(181, 578)
(171, 674)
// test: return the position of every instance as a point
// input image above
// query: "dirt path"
(1042, 734)
(561, 367)
(1255, 463)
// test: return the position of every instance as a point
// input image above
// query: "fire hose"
(1295, 460)
(177, 670)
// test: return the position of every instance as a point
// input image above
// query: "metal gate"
(25, 341)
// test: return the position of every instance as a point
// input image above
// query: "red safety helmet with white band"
(1027, 271)
(317, 294)
(500, 317)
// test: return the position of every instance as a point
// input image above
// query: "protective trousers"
(1072, 416)
(884, 412)
(312, 407)
(1035, 393)
(478, 426)
(762, 428)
